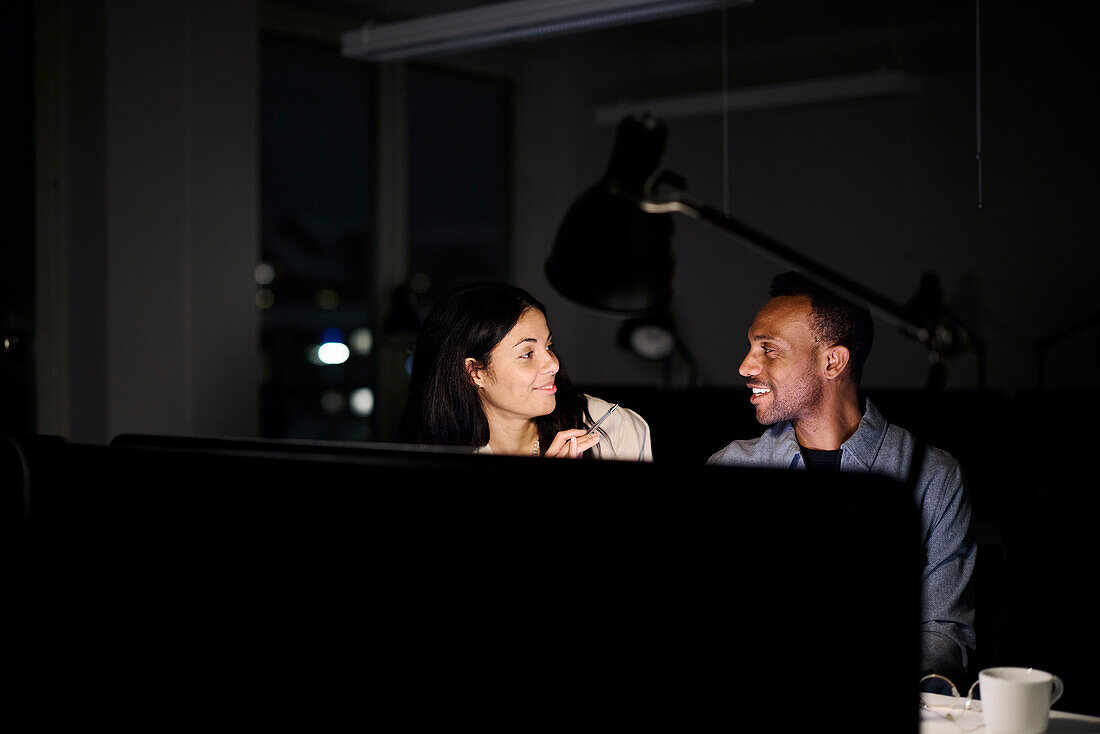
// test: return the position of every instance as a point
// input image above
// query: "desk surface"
(1061, 722)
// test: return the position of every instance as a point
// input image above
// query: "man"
(807, 348)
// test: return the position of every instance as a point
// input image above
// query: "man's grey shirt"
(947, 606)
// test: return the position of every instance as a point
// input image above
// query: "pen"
(602, 417)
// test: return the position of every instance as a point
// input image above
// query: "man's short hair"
(835, 319)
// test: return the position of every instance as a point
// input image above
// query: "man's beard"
(793, 401)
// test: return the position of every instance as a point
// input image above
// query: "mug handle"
(1056, 690)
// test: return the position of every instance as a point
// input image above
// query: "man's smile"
(758, 392)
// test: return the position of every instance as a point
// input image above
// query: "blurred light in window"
(264, 274)
(419, 282)
(333, 353)
(362, 340)
(265, 298)
(362, 401)
(332, 401)
(328, 299)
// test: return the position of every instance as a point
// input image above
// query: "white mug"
(1017, 700)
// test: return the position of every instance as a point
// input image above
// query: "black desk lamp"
(610, 253)
(613, 250)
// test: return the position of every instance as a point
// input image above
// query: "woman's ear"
(476, 371)
(836, 361)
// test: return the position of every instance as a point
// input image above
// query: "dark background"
(156, 154)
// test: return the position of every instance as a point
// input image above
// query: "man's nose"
(749, 366)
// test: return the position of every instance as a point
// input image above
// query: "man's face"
(782, 364)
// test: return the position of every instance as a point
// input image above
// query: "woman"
(484, 374)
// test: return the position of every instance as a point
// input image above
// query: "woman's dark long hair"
(443, 406)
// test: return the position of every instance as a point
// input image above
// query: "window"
(460, 158)
(314, 281)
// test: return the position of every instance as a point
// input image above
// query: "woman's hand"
(572, 443)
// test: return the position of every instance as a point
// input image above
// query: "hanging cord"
(725, 118)
(978, 92)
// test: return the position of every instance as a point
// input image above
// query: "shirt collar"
(863, 445)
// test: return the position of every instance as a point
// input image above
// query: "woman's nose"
(551, 364)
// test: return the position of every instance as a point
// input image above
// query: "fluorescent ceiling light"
(831, 89)
(500, 23)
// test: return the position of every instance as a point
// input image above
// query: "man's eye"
(526, 355)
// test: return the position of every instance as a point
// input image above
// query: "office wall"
(882, 189)
(147, 218)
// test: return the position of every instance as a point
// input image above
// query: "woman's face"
(518, 382)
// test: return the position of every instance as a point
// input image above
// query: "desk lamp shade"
(610, 255)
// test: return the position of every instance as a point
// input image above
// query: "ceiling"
(767, 41)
